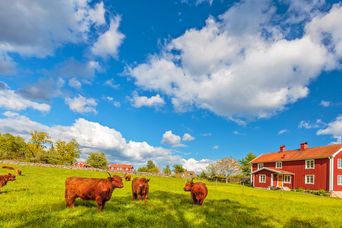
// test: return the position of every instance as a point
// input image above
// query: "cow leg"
(100, 203)
(134, 196)
(146, 197)
(201, 201)
(194, 198)
(70, 201)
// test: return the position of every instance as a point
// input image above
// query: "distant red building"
(81, 165)
(121, 167)
(308, 168)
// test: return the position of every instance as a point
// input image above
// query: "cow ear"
(147, 180)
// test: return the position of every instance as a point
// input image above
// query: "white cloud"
(74, 83)
(334, 128)
(171, 139)
(81, 104)
(111, 100)
(38, 27)
(216, 147)
(153, 101)
(9, 99)
(43, 89)
(188, 137)
(108, 43)
(91, 136)
(325, 103)
(7, 65)
(111, 83)
(196, 165)
(229, 59)
(309, 125)
(283, 131)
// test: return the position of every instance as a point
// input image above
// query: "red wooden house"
(308, 168)
(121, 167)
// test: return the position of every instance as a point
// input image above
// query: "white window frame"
(287, 181)
(313, 179)
(260, 165)
(279, 167)
(339, 182)
(339, 163)
(307, 162)
(260, 178)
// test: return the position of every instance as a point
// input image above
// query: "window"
(287, 179)
(339, 163)
(262, 178)
(309, 179)
(339, 180)
(279, 165)
(309, 164)
(260, 165)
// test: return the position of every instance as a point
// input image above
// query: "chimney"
(303, 146)
(282, 148)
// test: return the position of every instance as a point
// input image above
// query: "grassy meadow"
(37, 200)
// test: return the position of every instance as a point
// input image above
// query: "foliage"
(227, 167)
(321, 192)
(167, 170)
(203, 175)
(12, 147)
(245, 164)
(177, 168)
(40, 148)
(36, 200)
(149, 168)
(97, 160)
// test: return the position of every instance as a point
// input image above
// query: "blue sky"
(183, 81)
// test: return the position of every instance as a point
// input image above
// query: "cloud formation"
(153, 101)
(81, 104)
(11, 100)
(334, 128)
(247, 67)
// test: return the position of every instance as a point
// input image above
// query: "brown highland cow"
(198, 191)
(98, 189)
(140, 188)
(128, 177)
(5, 178)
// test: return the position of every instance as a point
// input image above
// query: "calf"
(140, 188)
(96, 189)
(128, 177)
(198, 191)
(5, 178)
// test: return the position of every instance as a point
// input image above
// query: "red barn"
(121, 167)
(308, 168)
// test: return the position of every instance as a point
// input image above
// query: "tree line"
(40, 148)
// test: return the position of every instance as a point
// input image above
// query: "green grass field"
(37, 200)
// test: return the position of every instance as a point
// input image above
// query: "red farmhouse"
(308, 168)
(121, 167)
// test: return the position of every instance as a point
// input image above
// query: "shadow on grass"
(14, 190)
(164, 209)
(312, 223)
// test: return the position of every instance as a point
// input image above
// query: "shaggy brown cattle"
(140, 188)
(96, 189)
(128, 177)
(5, 178)
(198, 191)
(18, 171)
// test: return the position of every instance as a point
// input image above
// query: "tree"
(37, 146)
(177, 168)
(245, 164)
(167, 170)
(228, 167)
(97, 160)
(150, 167)
(12, 147)
(64, 153)
(203, 175)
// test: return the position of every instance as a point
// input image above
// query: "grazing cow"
(128, 177)
(98, 189)
(198, 191)
(18, 171)
(140, 188)
(5, 178)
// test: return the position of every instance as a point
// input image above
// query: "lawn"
(37, 200)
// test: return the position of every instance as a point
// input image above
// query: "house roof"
(294, 155)
(274, 171)
(121, 165)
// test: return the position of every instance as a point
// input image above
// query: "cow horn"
(109, 174)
